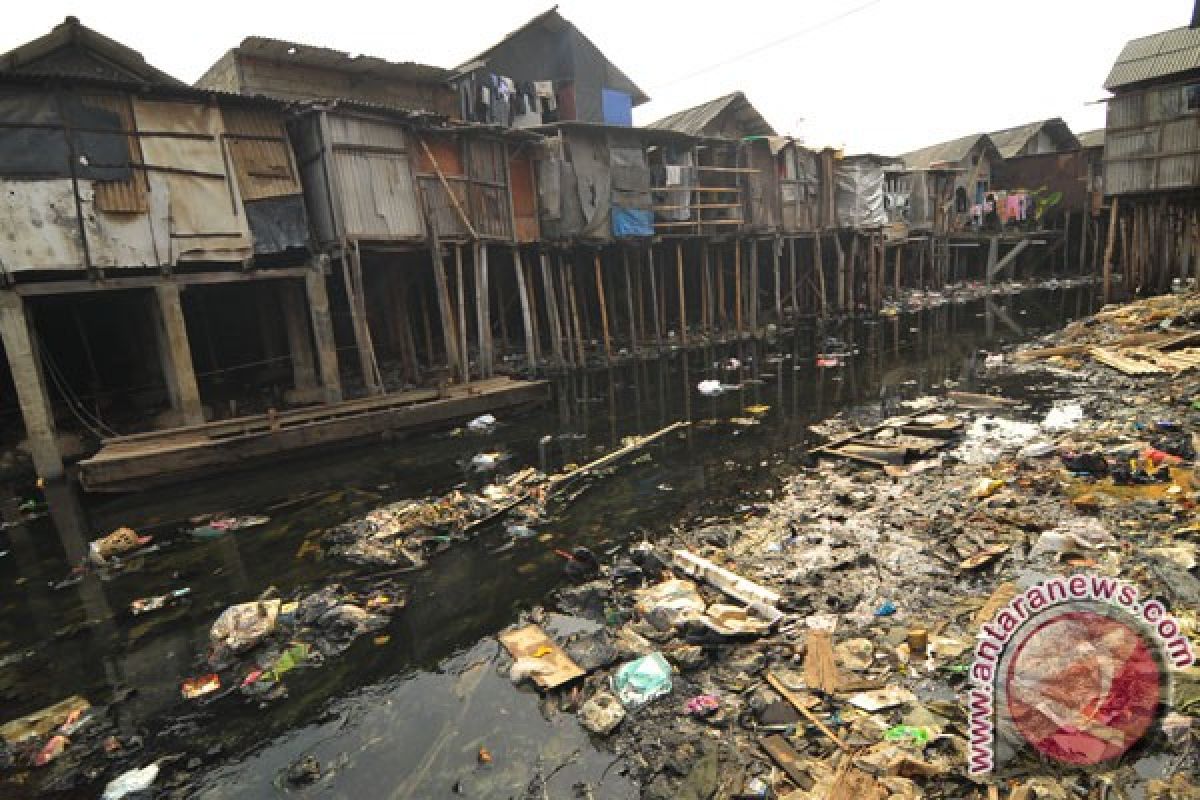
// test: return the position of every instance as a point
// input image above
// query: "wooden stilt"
(795, 295)
(1108, 248)
(464, 347)
(776, 254)
(896, 267)
(603, 307)
(322, 325)
(449, 327)
(574, 300)
(654, 305)
(819, 264)
(722, 314)
(527, 311)
(483, 312)
(629, 302)
(683, 323)
(840, 255)
(553, 317)
(705, 289)
(372, 378)
(737, 286)
(753, 285)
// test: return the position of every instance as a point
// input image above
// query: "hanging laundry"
(545, 93)
(674, 175)
(1014, 206)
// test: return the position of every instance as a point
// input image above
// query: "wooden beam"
(556, 334)
(483, 311)
(322, 326)
(21, 351)
(526, 308)
(462, 215)
(1108, 249)
(603, 306)
(460, 291)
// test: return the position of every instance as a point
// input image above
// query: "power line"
(775, 43)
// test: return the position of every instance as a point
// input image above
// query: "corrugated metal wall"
(1152, 142)
(373, 180)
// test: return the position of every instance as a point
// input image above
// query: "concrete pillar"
(306, 388)
(175, 354)
(21, 349)
(322, 326)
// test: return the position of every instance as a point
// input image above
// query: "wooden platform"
(129, 463)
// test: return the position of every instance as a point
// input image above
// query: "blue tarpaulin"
(632, 222)
(617, 107)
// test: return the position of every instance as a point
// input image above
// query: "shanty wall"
(859, 194)
(591, 177)
(1151, 141)
(110, 180)
(358, 179)
(1059, 172)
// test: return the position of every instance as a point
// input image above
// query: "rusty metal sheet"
(261, 156)
(524, 198)
(207, 221)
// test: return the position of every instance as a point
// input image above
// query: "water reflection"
(83, 640)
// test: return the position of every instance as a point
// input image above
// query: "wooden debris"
(1124, 363)
(999, 598)
(799, 705)
(820, 665)
(532, 642)
(984, 557)
(786, 757)
(853, 783)
(981, 402)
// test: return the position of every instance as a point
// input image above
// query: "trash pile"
(819, 643)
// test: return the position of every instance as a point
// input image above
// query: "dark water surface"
(407, 718)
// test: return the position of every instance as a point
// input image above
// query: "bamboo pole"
(682, 293)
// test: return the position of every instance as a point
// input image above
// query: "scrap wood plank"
(799, 705)
(998, 599)
(820, 665)
(1123, 363)
(786, 757)
(981, 401)
(532, 642)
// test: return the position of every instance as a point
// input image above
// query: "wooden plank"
(820, 667)
(800, 706)
(139, 465)
(1125, 364)
(786, 757)
(532, 642)
(603, 307)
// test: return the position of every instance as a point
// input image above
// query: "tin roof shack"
(974, 155)
(1152, 157)
(384, 189)
(296, 72)
(1035, 138)
(919, 200)
(120, 186)
(571, 78)
(787, 188)
(731, 116)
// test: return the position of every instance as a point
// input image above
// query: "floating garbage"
(194, 688)
(220, 526)
(710, 388)
(642, 681)
(144, 605)
(485, 423)
(135, 780)
(120, 542)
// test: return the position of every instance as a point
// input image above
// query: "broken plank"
(797, 704)
(981, 401)
(532, 642)
(786, 757)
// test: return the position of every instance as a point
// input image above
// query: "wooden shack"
(1152, 159)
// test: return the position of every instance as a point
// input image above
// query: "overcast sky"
(883, 76)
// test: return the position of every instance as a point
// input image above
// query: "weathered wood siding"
(1152, 141)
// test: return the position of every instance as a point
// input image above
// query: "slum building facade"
(121, 188)
(1152, 160)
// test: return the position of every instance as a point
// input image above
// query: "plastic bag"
(241, 627)
(133, 781)
(643, 680)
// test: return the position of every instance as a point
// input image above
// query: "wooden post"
(1108, 249)
(658, 337)
(449, 329)
(1067, 243)
(355, 298)
(483, 311)
(776, 254)
(852, 271)
(555, 320)
(603, 307)
(722, 314)
(21, 350)
(526, 310)
(464, 346)
(795, 297)
(176, 354)
(574, 300)
(305, 388)
(322, 326)
(633, 330)
(737, 286)
(682, 292)
(705, 288)
(840, 255)
(820, 267)
(753, 287)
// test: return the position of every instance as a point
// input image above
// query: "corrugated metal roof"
(1156, 56)
(49, 56)
(327, 58)
(1091, 138)
(1010, 140)
(696, 121)
(950, 152)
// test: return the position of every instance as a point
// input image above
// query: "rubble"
(871, 585)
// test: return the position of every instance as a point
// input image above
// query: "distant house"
(548, 58)
(73, 50)
(974, 155)
(1035, 138)
(731, 116)
(299, 72)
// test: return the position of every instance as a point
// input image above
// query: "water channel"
(406, 717)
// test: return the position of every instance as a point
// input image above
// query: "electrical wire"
(774, 43)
